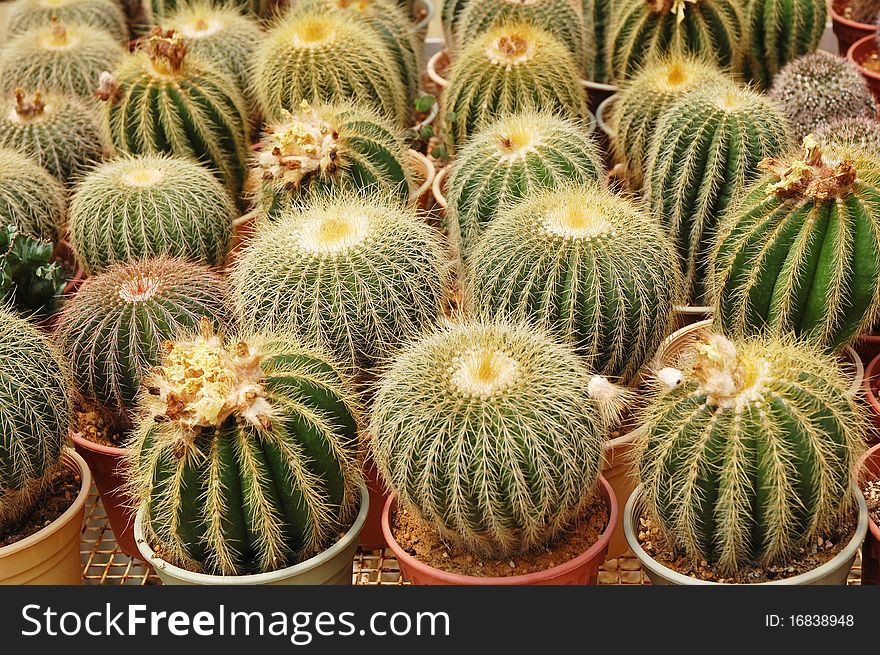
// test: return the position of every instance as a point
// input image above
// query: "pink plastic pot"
(859, 53)
(868, 468)
(582, 570)
(104, 462)
(847, 31)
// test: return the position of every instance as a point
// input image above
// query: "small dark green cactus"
(30, 197)
(30, 280)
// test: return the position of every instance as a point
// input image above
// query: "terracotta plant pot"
(868, 347)
(372, 537)
(582, 570)
(858, 54)
(597, 93)
(332, 567)
(872, 372)
(868, 469)
(438, 188)
(423, 13)
(603, 117)
(833, 572)
(424, 174)
(847, 31)
(438, 64)
(104, 461)
(51, 556)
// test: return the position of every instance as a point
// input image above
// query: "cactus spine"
(645, 30)
(819, 88)
(801, 252)
(161, 100)
(326, 149)
(561, 18)
(513, 157)
(325, 57)
(851, 134)
(30, 198)
(111, 331)
(781, 31)
(511, 68)
(61, 133)
(253, 466)
(587, 265)
(644, 98)
(706, 149)
(34, 407)
(357, 276)
(751, 456)
(105, 15)
(487, 432)
(449, 15)
(61, 58)
(597, 15)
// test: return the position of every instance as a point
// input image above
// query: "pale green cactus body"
(106, 15)
(30, 197)
(597, 15)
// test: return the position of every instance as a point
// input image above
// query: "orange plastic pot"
(868, 469)
(582, 570)
(105, 462)
(847, 31)
(859, 53)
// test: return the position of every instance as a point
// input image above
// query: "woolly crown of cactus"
(486, 430)
(62, 58)
(801, 251)
(106, 15)
(819, 88)
(61, 133)
(30, 197)
(245, 458)
(750, 456)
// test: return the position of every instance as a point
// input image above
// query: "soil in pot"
(872, 63)
(809, 557)
(95, 426)
(424, 543)
(64, 487)
(872, 498)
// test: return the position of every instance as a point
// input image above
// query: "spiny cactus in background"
(511, 158)
(61, 133)
(643, 99)
(159, 11)
(30, 280)
(587, 265)
(561, 18)
(326, 57)
(644, 30)
(136, 207)
(597, 15)
(751, 457)
(862, 11)
(706, 149)
(486, 430)
(161, 100)
(393, 27)
(850, 134)
(35, 408)
(112, 329)
(105, 15)
(220, 35)
(801, 251)
(62, 58)
(510, 68)
(449, 15)
(819, 88)
(30, 198)
(325, 149)
(355, 274)
(245, 460)
(779, 31)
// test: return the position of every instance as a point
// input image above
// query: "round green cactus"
(326, 57)
(643, 99)
(61, 133)
(355, 274)
(851, 134)
(325, 149)
(136, 207)
(644, 30)
(105, 15)
(245, 460)
(510, 68)
(781, 31)
(30, 197)
(801, 253)
(750, 457)
(561, 18)
(705, 151)
(61, 58)
(159, 11)
(112, 330)
(819, 88)
(513, 157)
(487, 432)
(587, 265)
(161, 100)
(34, 408)
(220, 35)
